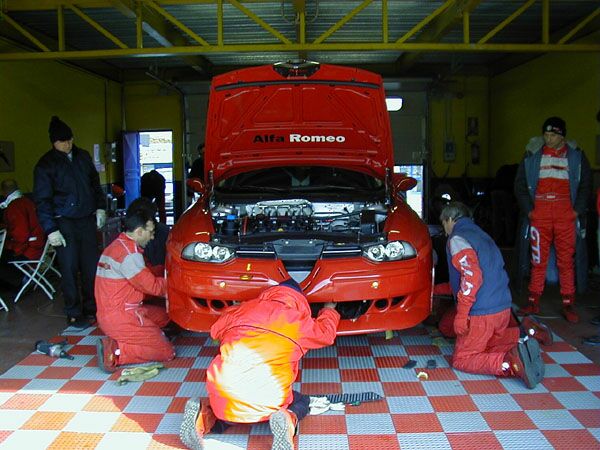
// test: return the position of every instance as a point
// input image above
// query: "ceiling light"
(393, 103)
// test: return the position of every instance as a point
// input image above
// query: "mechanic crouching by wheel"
(250, 381)
(486, 342)
(123, 281)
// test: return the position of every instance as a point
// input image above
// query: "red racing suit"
(24, 234)
(261, 344)
(553, 221)
(482, 319)
(122, 282)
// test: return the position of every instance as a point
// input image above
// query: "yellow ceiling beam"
(447, 19)
(506, 21)
(418, 27)
(96, 26)
(176, 22)
(45, 5)
(259, 21)
(24, 32)
(188, 50)
(579, 26)
(343, 21)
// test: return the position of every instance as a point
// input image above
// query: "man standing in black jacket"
(70, 207)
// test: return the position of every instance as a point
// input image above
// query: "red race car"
(298, 182)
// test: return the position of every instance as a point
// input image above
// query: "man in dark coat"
(552, 186)
(70, 207)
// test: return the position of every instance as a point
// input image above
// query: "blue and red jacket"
(476, 270)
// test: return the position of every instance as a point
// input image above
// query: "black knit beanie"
(58, 130)
(555, 125)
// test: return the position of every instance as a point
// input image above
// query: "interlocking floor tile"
(60, 403)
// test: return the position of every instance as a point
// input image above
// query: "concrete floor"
(34, 317)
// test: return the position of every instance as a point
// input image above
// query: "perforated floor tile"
(61, 404)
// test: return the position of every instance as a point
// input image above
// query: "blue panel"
(131, 166)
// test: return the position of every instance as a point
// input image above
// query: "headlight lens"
(201, 251)
(390, 251)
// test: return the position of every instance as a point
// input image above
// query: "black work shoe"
(592, 340)
(78, 322)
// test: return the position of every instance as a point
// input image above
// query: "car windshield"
(300, 179)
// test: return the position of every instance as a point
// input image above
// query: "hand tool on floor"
(52, 349)
(353, 399)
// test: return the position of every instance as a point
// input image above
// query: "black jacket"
(65, 188)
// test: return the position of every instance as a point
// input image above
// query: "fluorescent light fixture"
(393, 103)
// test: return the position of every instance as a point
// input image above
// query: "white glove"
(100, 218)
(319, 405)
(56, 239)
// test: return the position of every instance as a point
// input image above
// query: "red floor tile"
(137, 423)
(484, 387)
(374, 442)
(11, 385)
(481, 440)
(560, 346)
(390, 361)
(180, 363)
(354, 350)
(25, 401)
(101, 403)
(537, 401)
(71, 440)
(361, 375)
(158, 388)
(320, 363)
(323, 424)
(403, 388)
(455, 403)
(582, 370)
(589, 418)
(4, 435)
(59, 372)
(259, 442)
(508, 420)
(319, 389)
(83, 350)
(563, 384)
(413, 350)
(48, 420)
(177, 405)
(209, 351)
(81, 387)
(37, 360)
(198, 375)
(417, 423)
(571, 439)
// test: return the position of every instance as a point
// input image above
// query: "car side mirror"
(403, 183)
(196, 185)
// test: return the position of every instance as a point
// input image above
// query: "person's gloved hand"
(56, 239)
(461, 322)
(100, 218)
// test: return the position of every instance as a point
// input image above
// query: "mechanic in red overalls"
(250, 381)
(486, 342)
(123, 281)
(552, 186)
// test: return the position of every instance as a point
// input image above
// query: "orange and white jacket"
(123, 281)
(261, 343)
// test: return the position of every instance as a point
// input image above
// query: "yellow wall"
(565, 85)
(32, 92)
(451, 104)
(150, 106)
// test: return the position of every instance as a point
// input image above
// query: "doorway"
(144, 151)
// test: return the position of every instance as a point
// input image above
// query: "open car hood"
(268, 116)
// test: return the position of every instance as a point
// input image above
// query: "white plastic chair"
(35, 272)
(2, 239)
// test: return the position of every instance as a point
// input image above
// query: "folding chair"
(2, 239)
(35, 272)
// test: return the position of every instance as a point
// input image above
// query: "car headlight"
(214, 253)
(390, 251)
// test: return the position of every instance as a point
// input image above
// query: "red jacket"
(261, 343)
(122, 282)
(25, 236)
